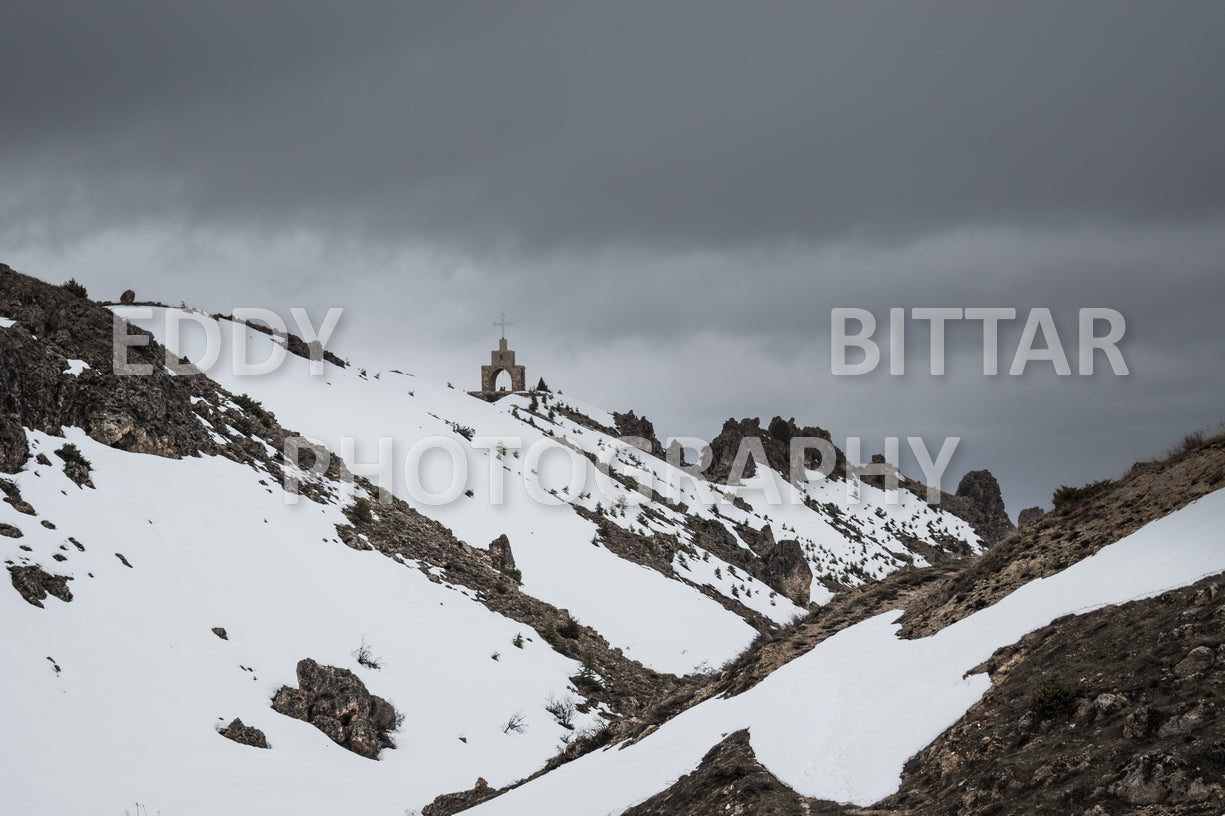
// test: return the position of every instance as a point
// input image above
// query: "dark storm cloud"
(562, 124)
(668, 198)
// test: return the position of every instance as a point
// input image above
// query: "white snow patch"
(75, 367)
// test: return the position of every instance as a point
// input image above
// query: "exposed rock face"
(451, 803)
(337, 703)
(985, 510)
(1196, 661)
(142, 413)
(1183, 724)
(244, 734)
(13, 447)
(776, 442)
(729, 781)
(787, 570)
(220, 632)
(1156, 778)
(127, 299)
(631, 425)
(1141, 723)
(1028, 516)
(293, 343)
(12, 497)
(500, 556)
(34, 584)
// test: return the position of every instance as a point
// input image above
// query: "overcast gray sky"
(666, 198)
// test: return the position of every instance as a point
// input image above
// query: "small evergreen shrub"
(1054, 696)
(587, 681)
(71, 453)
(254, 407)
(362, 511)
(1068, 496)
(74, 288)
(570, 629)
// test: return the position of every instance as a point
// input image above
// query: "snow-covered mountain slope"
(840, 722)
(115, 696)
(141, 513)
(692, 591)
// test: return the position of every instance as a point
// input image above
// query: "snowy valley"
(543, 617)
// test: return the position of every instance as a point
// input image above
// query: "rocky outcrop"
(34, 584)
(983, 506)
(12, 497)
(729, 780)
(14, 450)
(787, 570)
(500, 555)
(1029, 516)
(451, 803)
(244, 734)
(631, 425)
(1156, 778)
(292, 342)
(147, 413)
(775, 442)
(337, 703)
(1197, 660)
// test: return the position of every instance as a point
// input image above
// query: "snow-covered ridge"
(680, 628)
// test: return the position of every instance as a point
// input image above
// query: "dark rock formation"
(293, 343)
(1157, 778)
(1028, 516)
(142, 413)
(783, 565)
(729, 780)
(788, 572)
(451, 803)
(984, 506)
(12, 497)
(13, 447)
(631, 425)
(220, 632)
(1196, 661)
(776, 442)
(1141, 723)
(244, 734)
(34, 584)
(337, 703)
(500, 555)
(127, 299)
(1183, 724)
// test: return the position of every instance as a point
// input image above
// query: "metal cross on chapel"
(503, 323)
